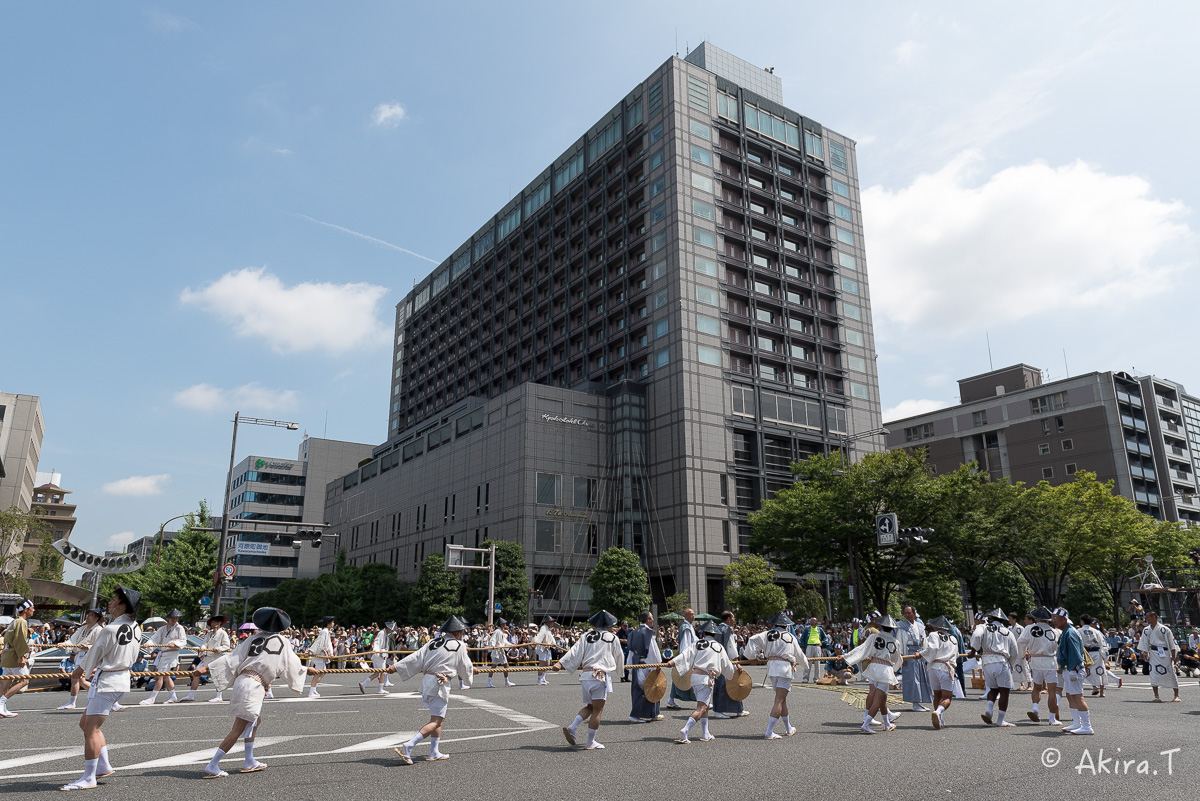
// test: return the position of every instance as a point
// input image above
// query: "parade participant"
(497, 641)
(814, 640)
(643, 649)
(216, 645)
(322, 652)
(1093, 642)
(705, 660)
(15, 657)
(437, 662)
(882, 656)
(961, 644)
(80, 640)
(1070, 659)
(914, 680)
(1040, 641)
(249, 669)
(939, 651)
(723, 706)
(543, 640)
(379, 657)
(1162, 652)
(784, 656)
(1020, 668)
(169, 639)
(997, 649)
(107, 662)
(598, 657)
(685, 639)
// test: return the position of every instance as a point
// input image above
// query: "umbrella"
(706, 616)
(247, 627)
(33, 621)
(5, 620)
(153, 622)
(62, 621)
(670, 616)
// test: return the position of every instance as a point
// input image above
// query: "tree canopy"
(619, 584)
(752, 591)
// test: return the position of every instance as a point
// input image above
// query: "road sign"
(228, 570)
(497, 606)
(886, 529)
(205, 601)
(851, 589)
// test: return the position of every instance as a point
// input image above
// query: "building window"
(856, 363)
(979, 418)
(702, 182)
(859, 391)
(841, 188)
(843, 212)
(727, 106)
(812, 145)
(743, 400)
(837, 156)
(1043, 449)
(702, 209)
(700, 129)
(1058, 421)
(1068, 445)
(661, 327)
(918, 433)
(849, 285)
(844, 236)
(1071, 469)
(706, 266)
(698, 94)
(707, 296)
(549, 488)
(1048, 403)
(585, 491)
(704, 238)
(708, 355)
(656, 159)
(854, 337)
(847, 261)
(656, 100)
(1047, 472)
(545, 536)
(662, 357)
(701, 155)
(585, 539)
(708, 325)
(852, 311)
(724, 490)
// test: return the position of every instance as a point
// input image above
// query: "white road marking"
(34, 759)
(195, 757)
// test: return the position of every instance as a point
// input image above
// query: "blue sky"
(206, 208)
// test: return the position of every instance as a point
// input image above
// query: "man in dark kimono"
(643, 650)
(723, 705)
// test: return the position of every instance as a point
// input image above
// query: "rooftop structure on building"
(1141, 432)
(22, 428)
(632, 351)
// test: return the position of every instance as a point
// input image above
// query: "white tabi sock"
(154, 696)
(249, 753)
(89, 770)
(214, 764)
(191, 696)
(787, 724)
(575, 723)
(771, 723)
(991, 706)
(1035, 707)
(704, 727)
(866, 722)
(591, 737)
(1000, 717)
(74, 698)
(1085, 719)
(688, 727)
(414, 741)
(433, 746)
(171, 698)
(102, 763)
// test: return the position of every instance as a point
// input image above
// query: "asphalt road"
(506, 744)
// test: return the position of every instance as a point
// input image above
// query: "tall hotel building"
(632, 351)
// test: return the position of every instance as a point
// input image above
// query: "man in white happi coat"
(1162, 652)
(938, 651)
(498, 642)
(107, 663)
(216, 645)
(598, 657)
(80, 640)
(705, 660)
(543, 641)
(322, 652)
(380, 645)
(1094, 675)
(784, 656)
(249, 670)
(997, 650)
(169, 640)
(685, 639)
(1040, 641)
(437, 662)
(1020, 669)
(881, 655)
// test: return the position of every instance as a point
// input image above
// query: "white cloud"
(171, 23)
(949, 255)
(388, 115)
(117, 542)
(252, 396)
(911, 407)
(138, 486)
(905, 51)
(334, 318)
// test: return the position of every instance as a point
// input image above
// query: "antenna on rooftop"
(1065, 367)
(676, 42)
(989, 346)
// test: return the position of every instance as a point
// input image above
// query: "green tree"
(830, 510)
(678, 602)
(512, 583)
(385, 597)
(339, 593)
(1087, 595)
(436, 593)
(15, 527)
(619, 584)
(933, 594)
(49, 561)
(805, 600)
(752, 591)
(182, 575)
(1003, 586)
(289, 596)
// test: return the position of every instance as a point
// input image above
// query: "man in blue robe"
(723, 705)
(914, 680)
(643, 649)
(687, 638)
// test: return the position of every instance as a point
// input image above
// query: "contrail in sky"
(365, 236)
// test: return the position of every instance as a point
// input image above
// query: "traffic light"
(915, 535)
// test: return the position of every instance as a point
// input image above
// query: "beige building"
(49, 501)
(21, 430)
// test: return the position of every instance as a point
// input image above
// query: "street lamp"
(849, 438)
(257, 421)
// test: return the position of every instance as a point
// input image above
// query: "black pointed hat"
(271, 620)
(602, 619)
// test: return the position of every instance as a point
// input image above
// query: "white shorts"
(997, 676)
(702, 687)
(941, 678)
(101, 703)
(379, 662)
(166, 662)
(247, 698)
(1043, 677)
(879, 686)
(319, 663)
(1072, 682)
(543, 654)
(500, 658)
(595, 689)
(781, 683)
(18, 671)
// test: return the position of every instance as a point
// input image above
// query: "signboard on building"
(253, 548)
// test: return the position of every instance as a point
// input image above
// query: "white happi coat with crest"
(437, 662)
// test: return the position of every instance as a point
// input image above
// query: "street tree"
(49, 561)
(1003, 586)
(15, 527)
(752, 591)
(436, 593)
(512, 583)
(619, 584)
